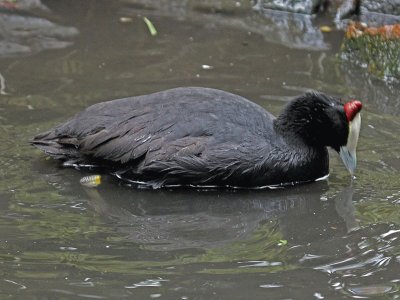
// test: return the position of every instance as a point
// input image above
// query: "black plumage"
(202, 136)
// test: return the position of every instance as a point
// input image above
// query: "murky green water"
(335, 239)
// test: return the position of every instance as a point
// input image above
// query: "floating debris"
(150, 26)
(2, 85)
(325, 29)
(125, 19)
(207, 67)
(91, 181)
(282, 242)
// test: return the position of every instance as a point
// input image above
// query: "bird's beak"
(348, 152)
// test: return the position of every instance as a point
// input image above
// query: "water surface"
(336, 239)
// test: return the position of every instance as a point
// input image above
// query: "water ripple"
(369, 267)
(147, 283)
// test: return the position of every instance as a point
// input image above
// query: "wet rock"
(379, 13)
(390, 7)
(297, 6)
(373, 13)
(346, 8)
(377, 19)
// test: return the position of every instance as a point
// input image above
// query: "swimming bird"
(208, 137)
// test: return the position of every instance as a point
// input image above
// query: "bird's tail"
(62, 148)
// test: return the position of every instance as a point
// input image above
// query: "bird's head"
(321, 120)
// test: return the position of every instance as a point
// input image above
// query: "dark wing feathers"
(171, 134)
(203, 165)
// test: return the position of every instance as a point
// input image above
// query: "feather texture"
(188, 136)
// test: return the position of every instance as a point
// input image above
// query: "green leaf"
(150, 26)
(282, 242)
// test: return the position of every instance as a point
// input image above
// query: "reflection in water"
(190, 237)
(354, 271)
(124, 243)
(24, 34)
(345, 208)
(276, 233)
(213, 220)
(202, 219)
(291, 30)
(304, 7)
(210, 219)
(381, 94)
(23, 5)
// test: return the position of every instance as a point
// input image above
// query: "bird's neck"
(300, 160)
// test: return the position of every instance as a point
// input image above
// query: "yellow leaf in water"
(325, 29)
(91, 180)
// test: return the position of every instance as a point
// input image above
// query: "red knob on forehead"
(351, 108)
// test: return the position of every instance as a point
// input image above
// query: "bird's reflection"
(182, 218)
(345, 208)
(189, 218)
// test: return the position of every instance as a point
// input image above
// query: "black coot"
(202, 136)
